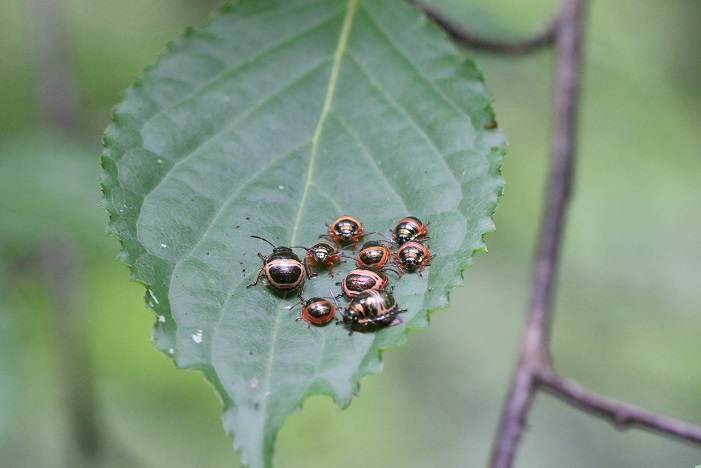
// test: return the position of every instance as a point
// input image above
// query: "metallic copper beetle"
(317, 311)
(362, 279)
(409, 229)
(371, 308)
(345, 229)
(412, 256)
(373, 253)
(321, 253)
(283, 270)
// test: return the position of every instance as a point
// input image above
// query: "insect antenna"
(266, 240)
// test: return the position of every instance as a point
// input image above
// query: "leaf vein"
(374, 83)
(328, 98)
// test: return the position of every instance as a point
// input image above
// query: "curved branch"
(462, 35)
(534, 368)
(621, 415)
(534, 351)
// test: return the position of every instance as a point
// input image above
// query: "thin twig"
(460, 34)
(534, 351)
(534, 368)
(620, 414)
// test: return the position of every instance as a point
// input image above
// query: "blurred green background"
(74, 333)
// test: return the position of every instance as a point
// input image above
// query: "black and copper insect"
(283, 270)
(373, 253)
(362, 279)
(412, 256)
(321, 253)
(317, 311)
(370, 309)
(409, 229)
(345, 229)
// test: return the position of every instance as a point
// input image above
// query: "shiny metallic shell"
(372, 307)
(374, 254)
(317, 311)
(409, 229)
(283, 269)
(412, 256)
(362, 279)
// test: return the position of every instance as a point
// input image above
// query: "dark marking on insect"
(409, 229)
(371, 309)
(283, 270)
(316, 311)
(321, 253)
(413, 256)
(373, 253)
(362, 279)
(345, 229)
(490, 125)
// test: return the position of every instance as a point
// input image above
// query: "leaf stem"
(540, 40)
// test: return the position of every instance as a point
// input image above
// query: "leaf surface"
(273, 120)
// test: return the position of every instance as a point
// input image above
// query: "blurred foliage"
(627, 321)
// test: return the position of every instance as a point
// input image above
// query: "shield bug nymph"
(413, 256)
(317, 311)
(345, 229)
(369, 309)
(321, 253)
(374, 254)
(362, 279)
(283, 270)
(409, 229)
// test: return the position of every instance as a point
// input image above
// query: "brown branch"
(534, 350)
(622, 415)
(464, 36)
(534, 369)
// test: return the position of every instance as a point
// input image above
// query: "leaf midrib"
(326, 107)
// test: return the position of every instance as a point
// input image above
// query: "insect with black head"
(373, 253)
(321, 253)
(345, 229)
(362, 279)
(413, 256)
(317, 311)
(370, 309)
(282, 269)
(409, 229)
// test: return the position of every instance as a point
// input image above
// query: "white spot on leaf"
(155, 299)
(162, 318)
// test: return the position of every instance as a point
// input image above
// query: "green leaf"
(274, 119)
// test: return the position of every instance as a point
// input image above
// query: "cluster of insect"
(371, 304)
